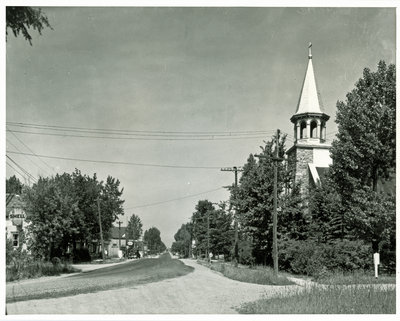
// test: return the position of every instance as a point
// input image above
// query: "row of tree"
(349, 210)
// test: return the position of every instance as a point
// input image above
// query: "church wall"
(303, 157)
(322, 157)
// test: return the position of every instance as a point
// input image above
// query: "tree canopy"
(63, 210)
(153, 239)
(13, 185)
(21, 19)
(134, 228)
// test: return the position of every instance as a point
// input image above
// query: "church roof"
(309, 101)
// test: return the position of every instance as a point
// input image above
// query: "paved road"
(201, 292)
(111, 277)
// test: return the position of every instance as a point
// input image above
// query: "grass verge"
(330, 300)
(356, 277)
(257, 275)
(34, 269)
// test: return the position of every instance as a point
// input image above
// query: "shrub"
(318, 259)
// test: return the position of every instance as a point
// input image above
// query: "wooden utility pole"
(101, 230)
(236, 245)
(276, 159)
(119, 235)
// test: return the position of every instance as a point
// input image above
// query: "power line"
(22, 169)
(137, 132)
(30, 149)
(17, 171)
(26, 156)
(116, 162)
(183, 138)
(175, 199)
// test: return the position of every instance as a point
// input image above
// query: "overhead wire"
(117, 162)
(22, 169)
(11, 143)
(51, 168)
(174, 199)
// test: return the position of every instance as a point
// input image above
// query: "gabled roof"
(309, 100)
(115, 232)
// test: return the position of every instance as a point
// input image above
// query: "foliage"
(333, 300)
(13, 185)
(253, 200)
(317, 259)
(63, 210)
(20, 19)
(261, 275)
(153, 240)
(329, 220)
(183, 240)
(81, 255)
(365, 148)
(134, 228)
(21, 265)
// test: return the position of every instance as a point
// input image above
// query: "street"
(149, 286)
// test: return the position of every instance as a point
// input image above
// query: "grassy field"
(258, 275)
(335, 299)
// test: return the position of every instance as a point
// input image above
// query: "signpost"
(376, 263)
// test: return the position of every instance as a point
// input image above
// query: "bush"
(319, 259)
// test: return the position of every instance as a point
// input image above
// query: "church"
(309, 157)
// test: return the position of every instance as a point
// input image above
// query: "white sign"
(376, 263)
(210, 255)
(130, 243)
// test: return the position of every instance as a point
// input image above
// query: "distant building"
(309, 157)
(118, 241)
(15, 219)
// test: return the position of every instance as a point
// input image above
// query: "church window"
(313, 129)
(303, 129)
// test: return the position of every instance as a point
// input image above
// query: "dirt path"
(200, 292)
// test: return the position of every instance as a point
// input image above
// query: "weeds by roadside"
(256, 275)
(335, 299)
(355, 277)
(25, 267)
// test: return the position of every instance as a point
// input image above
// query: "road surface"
(199, 291)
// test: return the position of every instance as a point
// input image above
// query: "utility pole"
(236, 245)
(208, 236)
(275, 159)
(101, 230)
(119, 235)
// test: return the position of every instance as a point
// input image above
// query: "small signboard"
(130, 243)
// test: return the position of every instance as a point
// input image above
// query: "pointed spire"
(309, 101)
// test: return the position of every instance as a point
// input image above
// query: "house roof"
(13, 201)
(309, 100)
(115, 232)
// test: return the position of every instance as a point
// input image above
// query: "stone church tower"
(309, 156)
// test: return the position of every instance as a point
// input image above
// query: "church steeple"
(309, 119)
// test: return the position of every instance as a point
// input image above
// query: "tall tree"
(253, 198)
(21, 19)
(134, 228)
(200, 220)
(13, 185)
(365, 151)
(183, 240)
(153, 239)
(365, 148)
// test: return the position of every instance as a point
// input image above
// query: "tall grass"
(25, 270)
(334, 299)
(258, 275)
(356, 277)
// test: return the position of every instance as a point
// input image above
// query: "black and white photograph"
(209, 159)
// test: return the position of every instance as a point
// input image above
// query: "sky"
(202, 73)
